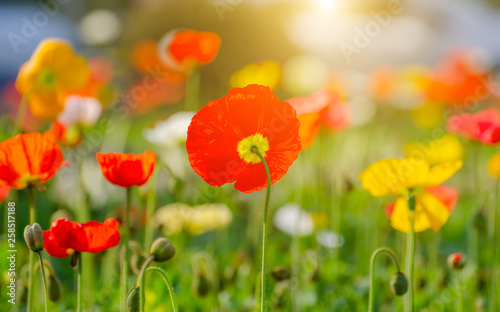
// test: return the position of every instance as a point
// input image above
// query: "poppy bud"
(33, 235)
(280, 273)
(54, 290)
(456, 261)
(161, 250)
(200, 286)
(399, 284)
(133, 300)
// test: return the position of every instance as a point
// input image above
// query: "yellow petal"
(440, 173)
(494, 166)
(394, 176)
(437, 213)
(444, 149)
(400, 217)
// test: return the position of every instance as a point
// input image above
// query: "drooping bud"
(456, 261)
(200, 286)
(54, 289)
(33, 235)
(161, 250)
(399, 284)
(133, 300)
(280, 273)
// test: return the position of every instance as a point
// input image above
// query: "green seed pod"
(54, 289)
(280, 273)
(161, 250)
(399, 284)
(33, 235)
(133, 300)
(411, 202)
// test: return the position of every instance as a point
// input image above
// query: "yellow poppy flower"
(444, 149)
(267, 73)
(48, 75)
(494, 166)
(401, 177)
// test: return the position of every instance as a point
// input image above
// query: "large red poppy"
(483, 126)
(222, 133)
(65, 237)
(127, 170)
(30, 158)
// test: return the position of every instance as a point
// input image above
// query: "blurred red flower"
(187, 48)
(483, 126)
(321, 108)
(65, 237)
(127, 170)
(30, 158)
(222, 134)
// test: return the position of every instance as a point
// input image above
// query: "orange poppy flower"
(48, 75)
(4, 190)
(30, 158)
(222, 134)
(65, 237)
(127, 170)
(186, 48)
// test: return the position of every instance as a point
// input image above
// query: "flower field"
(199, 160)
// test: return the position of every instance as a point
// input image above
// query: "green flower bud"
(161, 250)
(33, 235)
(133, 300)
(200, 286)
(280, 273)
(54, 289)
(399, 284)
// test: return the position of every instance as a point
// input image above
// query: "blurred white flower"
(294, 221)
(80, 110)
(329, 239)
(170, 132)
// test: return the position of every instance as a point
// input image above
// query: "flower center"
(47, 78)
(245, 148)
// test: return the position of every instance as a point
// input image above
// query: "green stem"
(150, 210)
(410, 264)
(79, 283)
(168, 284)
(21, 113)
(141, 282)
(394, 258)
(493, 238)
(192, 90)
(31, 283)
(44, 281)
(264, 232)
(460, 292)
(126, 248)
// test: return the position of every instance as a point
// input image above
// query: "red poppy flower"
(483, 126)
(222, 133)
(185, 48)
(65, 237)
(446, 195)
(127, 170)
(30, 158)
(4, 190)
